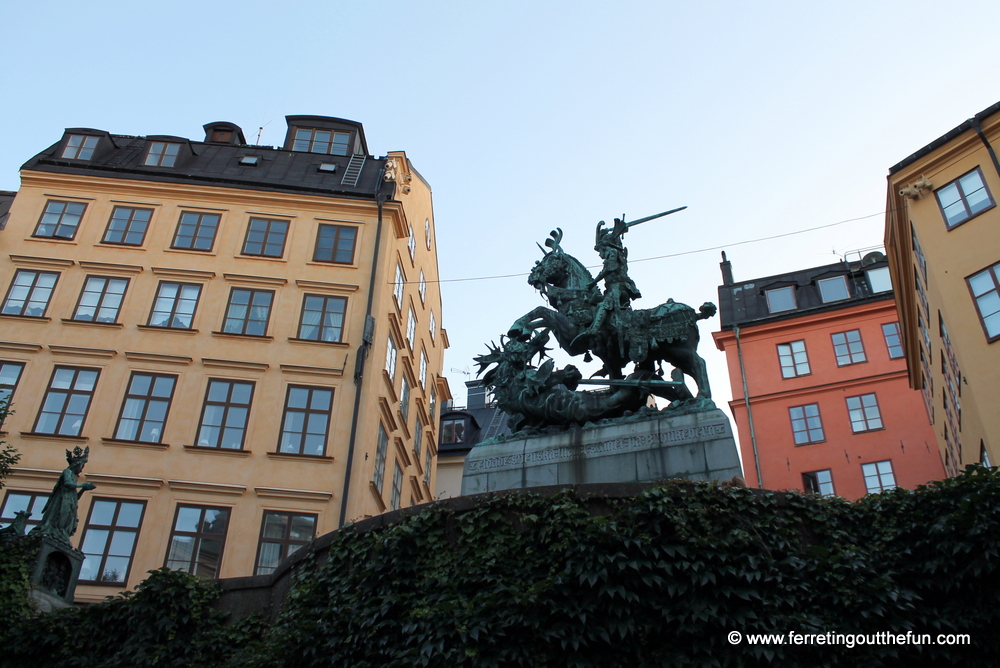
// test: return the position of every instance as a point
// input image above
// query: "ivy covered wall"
(657, 579)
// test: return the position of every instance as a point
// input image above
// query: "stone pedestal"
(696, 446)
(54, 574)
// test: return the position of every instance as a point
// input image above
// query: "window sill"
(60, 437)
(103, 583)
(190, 250)
(331, 263)
(291, 455)
(68, 242)
(120, 442)
(867, 431)
(111, 244)
(216, 451)
(176, 330)
(249, 337)
(243, 256)
(802, 445)
(839, 365)
(92, 323)
(26, 318)
(314, 342)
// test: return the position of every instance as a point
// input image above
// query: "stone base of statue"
(54, 574)
(696, 446)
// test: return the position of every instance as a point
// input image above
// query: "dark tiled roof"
(477, 422)
(6, 197)
(947, 137)
(745, 302)
(217, 164)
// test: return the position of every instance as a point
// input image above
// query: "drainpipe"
(979, 131)
(746, 401)
(366, 343)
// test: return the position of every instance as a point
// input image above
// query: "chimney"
(476, 394)
(727, 270)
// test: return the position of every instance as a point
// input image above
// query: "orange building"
(820, 391)
(248, 338)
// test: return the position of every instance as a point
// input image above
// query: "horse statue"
(644, 337)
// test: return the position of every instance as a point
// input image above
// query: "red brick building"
(821, 395)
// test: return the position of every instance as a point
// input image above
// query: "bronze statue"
(59, 516)
(586, 322)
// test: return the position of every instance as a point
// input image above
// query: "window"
(404, 400)
(30, 502)
(60, 220)
(281, 534)
(422, 287)
(963, 198)
(66, 402)
(322, 318)
(431, 405)
(818, 482)
(423, 369)
(427, 232)
(984, 456)
(390, 359)
(335, 243)
(806, 425)
(397, 487)
(878, 476)
(428, 460)
(833, 289)
(397, 288)
(80, 147)
(29, 293)
(144, 411)
(793, 359)
(418, 436)
(265, 237)
(848, 348)
(863, 411)
(411, 328)
(101, 299)
(412, 244)
(383, 445)
(780, 299)
(10, 374)
(321, 141)
(305, 423)
(109, 538)
(879, 279)
(175, 304)
(432, 325)
(196, 231)
(127, 226)
(918, 253)
(985, 287)
(225, 413)
(453, 431)
(248, 312)
(162, 154)
(893, 339)
(197, 540)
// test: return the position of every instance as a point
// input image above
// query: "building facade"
(820, 392)
(247, 338)
(941, 235)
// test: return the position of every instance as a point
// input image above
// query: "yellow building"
(942, 234)
(247, 338)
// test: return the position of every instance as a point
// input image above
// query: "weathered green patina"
(59, 516)
(585, 321)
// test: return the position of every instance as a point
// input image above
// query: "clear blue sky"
(763, 118)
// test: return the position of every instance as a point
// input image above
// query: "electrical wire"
(689, 252)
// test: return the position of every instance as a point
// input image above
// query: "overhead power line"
(688, 252)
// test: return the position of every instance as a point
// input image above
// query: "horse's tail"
(707, 310)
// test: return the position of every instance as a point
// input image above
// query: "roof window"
(313, 140)
(250, 160)
(162, 154)
(80, 147)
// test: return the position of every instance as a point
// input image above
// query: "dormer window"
(80, 147)
(781, 299)
(249, 160)
(833, 289)
(162, 154)
(310, 140)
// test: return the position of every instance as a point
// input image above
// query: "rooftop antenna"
(464, 372)
(260, 131)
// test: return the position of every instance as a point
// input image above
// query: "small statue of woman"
(59, 516)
